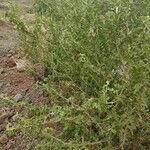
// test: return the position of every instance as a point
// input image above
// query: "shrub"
(97, 54)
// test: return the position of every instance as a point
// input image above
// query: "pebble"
(9, 55)
(21, 65)
(18, 97)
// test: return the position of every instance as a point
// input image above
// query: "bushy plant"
(97, 53)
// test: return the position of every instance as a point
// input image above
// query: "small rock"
(10, 63)
(9, 55)
(3, 139)
(21, 65)
(18, 97)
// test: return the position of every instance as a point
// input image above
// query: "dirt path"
(13, 82)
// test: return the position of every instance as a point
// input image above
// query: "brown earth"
(14, 83)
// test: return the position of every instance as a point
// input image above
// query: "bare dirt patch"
(14, 83)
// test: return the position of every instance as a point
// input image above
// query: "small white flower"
(53, 113)
(117, 10)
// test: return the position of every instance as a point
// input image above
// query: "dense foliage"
(97, 54)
